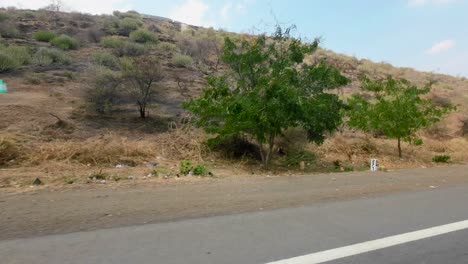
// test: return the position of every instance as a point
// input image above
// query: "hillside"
(48, 130)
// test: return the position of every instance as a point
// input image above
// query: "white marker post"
(374, 165)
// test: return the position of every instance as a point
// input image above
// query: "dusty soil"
(53, 211)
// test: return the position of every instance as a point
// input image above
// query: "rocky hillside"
(49, 61)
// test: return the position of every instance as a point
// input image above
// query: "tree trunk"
(399, 148)
(142, 110)
(265, 152)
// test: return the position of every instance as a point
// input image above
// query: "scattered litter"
(190, 174)
(150, 175)
(432, 187)
(121, 166)
(103, 182)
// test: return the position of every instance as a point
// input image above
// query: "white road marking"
(372, 245)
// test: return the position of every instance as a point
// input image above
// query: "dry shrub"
(436, 146)
(9, 150)
(182, 142)
(108, 149)
(464, 126)
(350, 147)
(438, 131)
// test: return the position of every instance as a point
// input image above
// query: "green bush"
(200, 170)
(181, 60)
(21, 54)
(3, 16)
(110, 25)
(127, 25)
(7, 63)
(143, 36)
(12, 57)
(9, 30)
(44, 36)
(294, 159)
(65, 42)
(130, 14)
(186, 167)
(132, 49)
(45, 56)
(167, 47)
(441, 159)
(106, 59)
(122, 47)
(103, 94)
(112, 42)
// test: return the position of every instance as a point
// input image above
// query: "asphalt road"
(271, 236)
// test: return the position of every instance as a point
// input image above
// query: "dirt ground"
(53, 211)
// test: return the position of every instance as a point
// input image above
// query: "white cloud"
(193, 12)
(442, 46)
(415, 3)
(226, 10)
(87, 6)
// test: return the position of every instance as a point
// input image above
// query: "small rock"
(120, 166)
(149, 175)
(432, 187)
(190, 174)
(37, 182)
(152, 164)
(103, 182)
(131, 177)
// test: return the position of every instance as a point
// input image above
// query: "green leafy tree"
(268, 89)
(398, 110)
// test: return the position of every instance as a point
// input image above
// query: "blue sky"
(430, 35)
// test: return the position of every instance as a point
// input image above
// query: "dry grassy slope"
(25, 110)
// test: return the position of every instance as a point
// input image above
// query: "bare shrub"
(142, 74)
(95, 34)
(441, 101)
